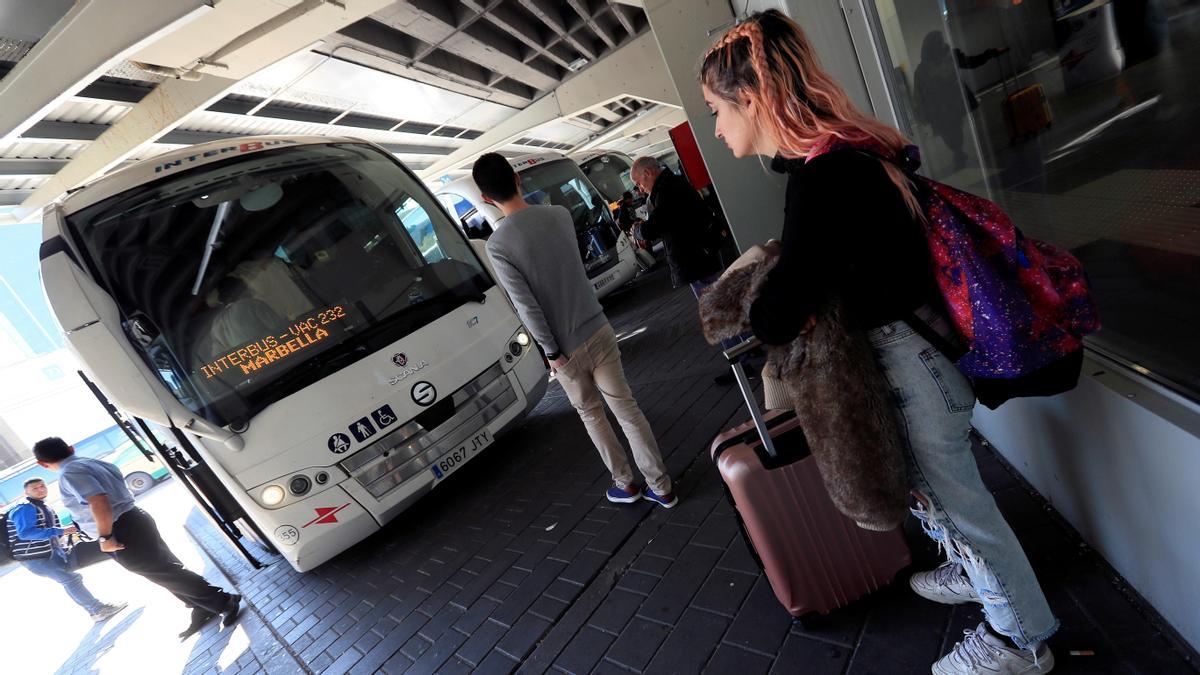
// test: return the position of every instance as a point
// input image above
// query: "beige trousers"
(594, 373)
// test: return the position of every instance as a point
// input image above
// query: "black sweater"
(679, 217)
(846, 232)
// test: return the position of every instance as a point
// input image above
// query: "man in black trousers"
(690, 233)
(94, 492)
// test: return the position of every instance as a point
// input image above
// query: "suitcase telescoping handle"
(731, 355)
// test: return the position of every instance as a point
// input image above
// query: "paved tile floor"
(518, 564)
(42, 631)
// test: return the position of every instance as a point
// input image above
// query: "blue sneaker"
(624, 495)
(666, 501)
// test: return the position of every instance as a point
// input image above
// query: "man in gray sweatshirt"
(536, 257)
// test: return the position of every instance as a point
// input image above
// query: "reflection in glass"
(1080, 119)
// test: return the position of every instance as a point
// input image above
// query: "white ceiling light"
(578, 63)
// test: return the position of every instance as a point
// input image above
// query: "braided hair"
(768, 59)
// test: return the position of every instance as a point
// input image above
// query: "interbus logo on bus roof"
(250, 146)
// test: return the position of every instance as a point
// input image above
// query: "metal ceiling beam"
(640, 122)
(30, 167)
(259, 45)
(103, 89)
(603, 112)
(585, 13)
(624, 16)
(549, 14)
(476, 49)
(87, 41)
(80, 131)
(13, 197)
(130, 92)
(511, 22)
(382, 36)
(367, 56)
(541, 73)
(582, 123)
(635, 70)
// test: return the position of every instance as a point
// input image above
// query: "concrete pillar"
(750, 193)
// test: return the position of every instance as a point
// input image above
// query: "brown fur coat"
(840, 396)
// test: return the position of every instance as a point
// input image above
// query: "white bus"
(609, 171)
(302, 314)
(608, 256)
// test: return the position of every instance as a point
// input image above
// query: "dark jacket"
(684, 223)
(846, 232)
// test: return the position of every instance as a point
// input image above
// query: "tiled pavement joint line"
(858, 644)
(575, 619)
(215, 558)
(617, 664)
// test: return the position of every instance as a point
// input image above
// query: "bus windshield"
(610, 175)
(246, 280)
(560, 182)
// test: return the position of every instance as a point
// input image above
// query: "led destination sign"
(272, 348)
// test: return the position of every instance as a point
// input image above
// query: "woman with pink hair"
(854, 231)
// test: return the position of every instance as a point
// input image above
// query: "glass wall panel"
(1082, 119)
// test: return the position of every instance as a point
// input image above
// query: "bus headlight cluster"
(520, 343)
(299, 485)
(272, 495)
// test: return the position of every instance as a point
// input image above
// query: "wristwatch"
(553, 356)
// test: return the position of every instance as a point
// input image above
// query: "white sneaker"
(948, 584)
(982, 653)
(108, 611)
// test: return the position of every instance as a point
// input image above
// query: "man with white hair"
(686, 226)
(679, 217)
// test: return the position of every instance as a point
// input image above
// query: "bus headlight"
(299, 485)
(272, 495)
(523, 338)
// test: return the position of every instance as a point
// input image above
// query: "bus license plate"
(451, 461)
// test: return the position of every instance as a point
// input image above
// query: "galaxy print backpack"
(1020, 307)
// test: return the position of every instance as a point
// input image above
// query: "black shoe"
(200, 618)
(233, 611)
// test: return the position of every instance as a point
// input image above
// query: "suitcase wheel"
(812, 621)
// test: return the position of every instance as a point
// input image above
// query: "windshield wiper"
(210, 244)
(312, 370)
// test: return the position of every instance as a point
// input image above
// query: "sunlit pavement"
(518, 563)
(45, 632)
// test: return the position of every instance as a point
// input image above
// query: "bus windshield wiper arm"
(211, 244)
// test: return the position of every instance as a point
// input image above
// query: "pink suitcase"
(815, 558)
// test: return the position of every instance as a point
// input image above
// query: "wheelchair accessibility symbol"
(384, 416)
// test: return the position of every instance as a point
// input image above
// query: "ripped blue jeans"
(934, 403)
